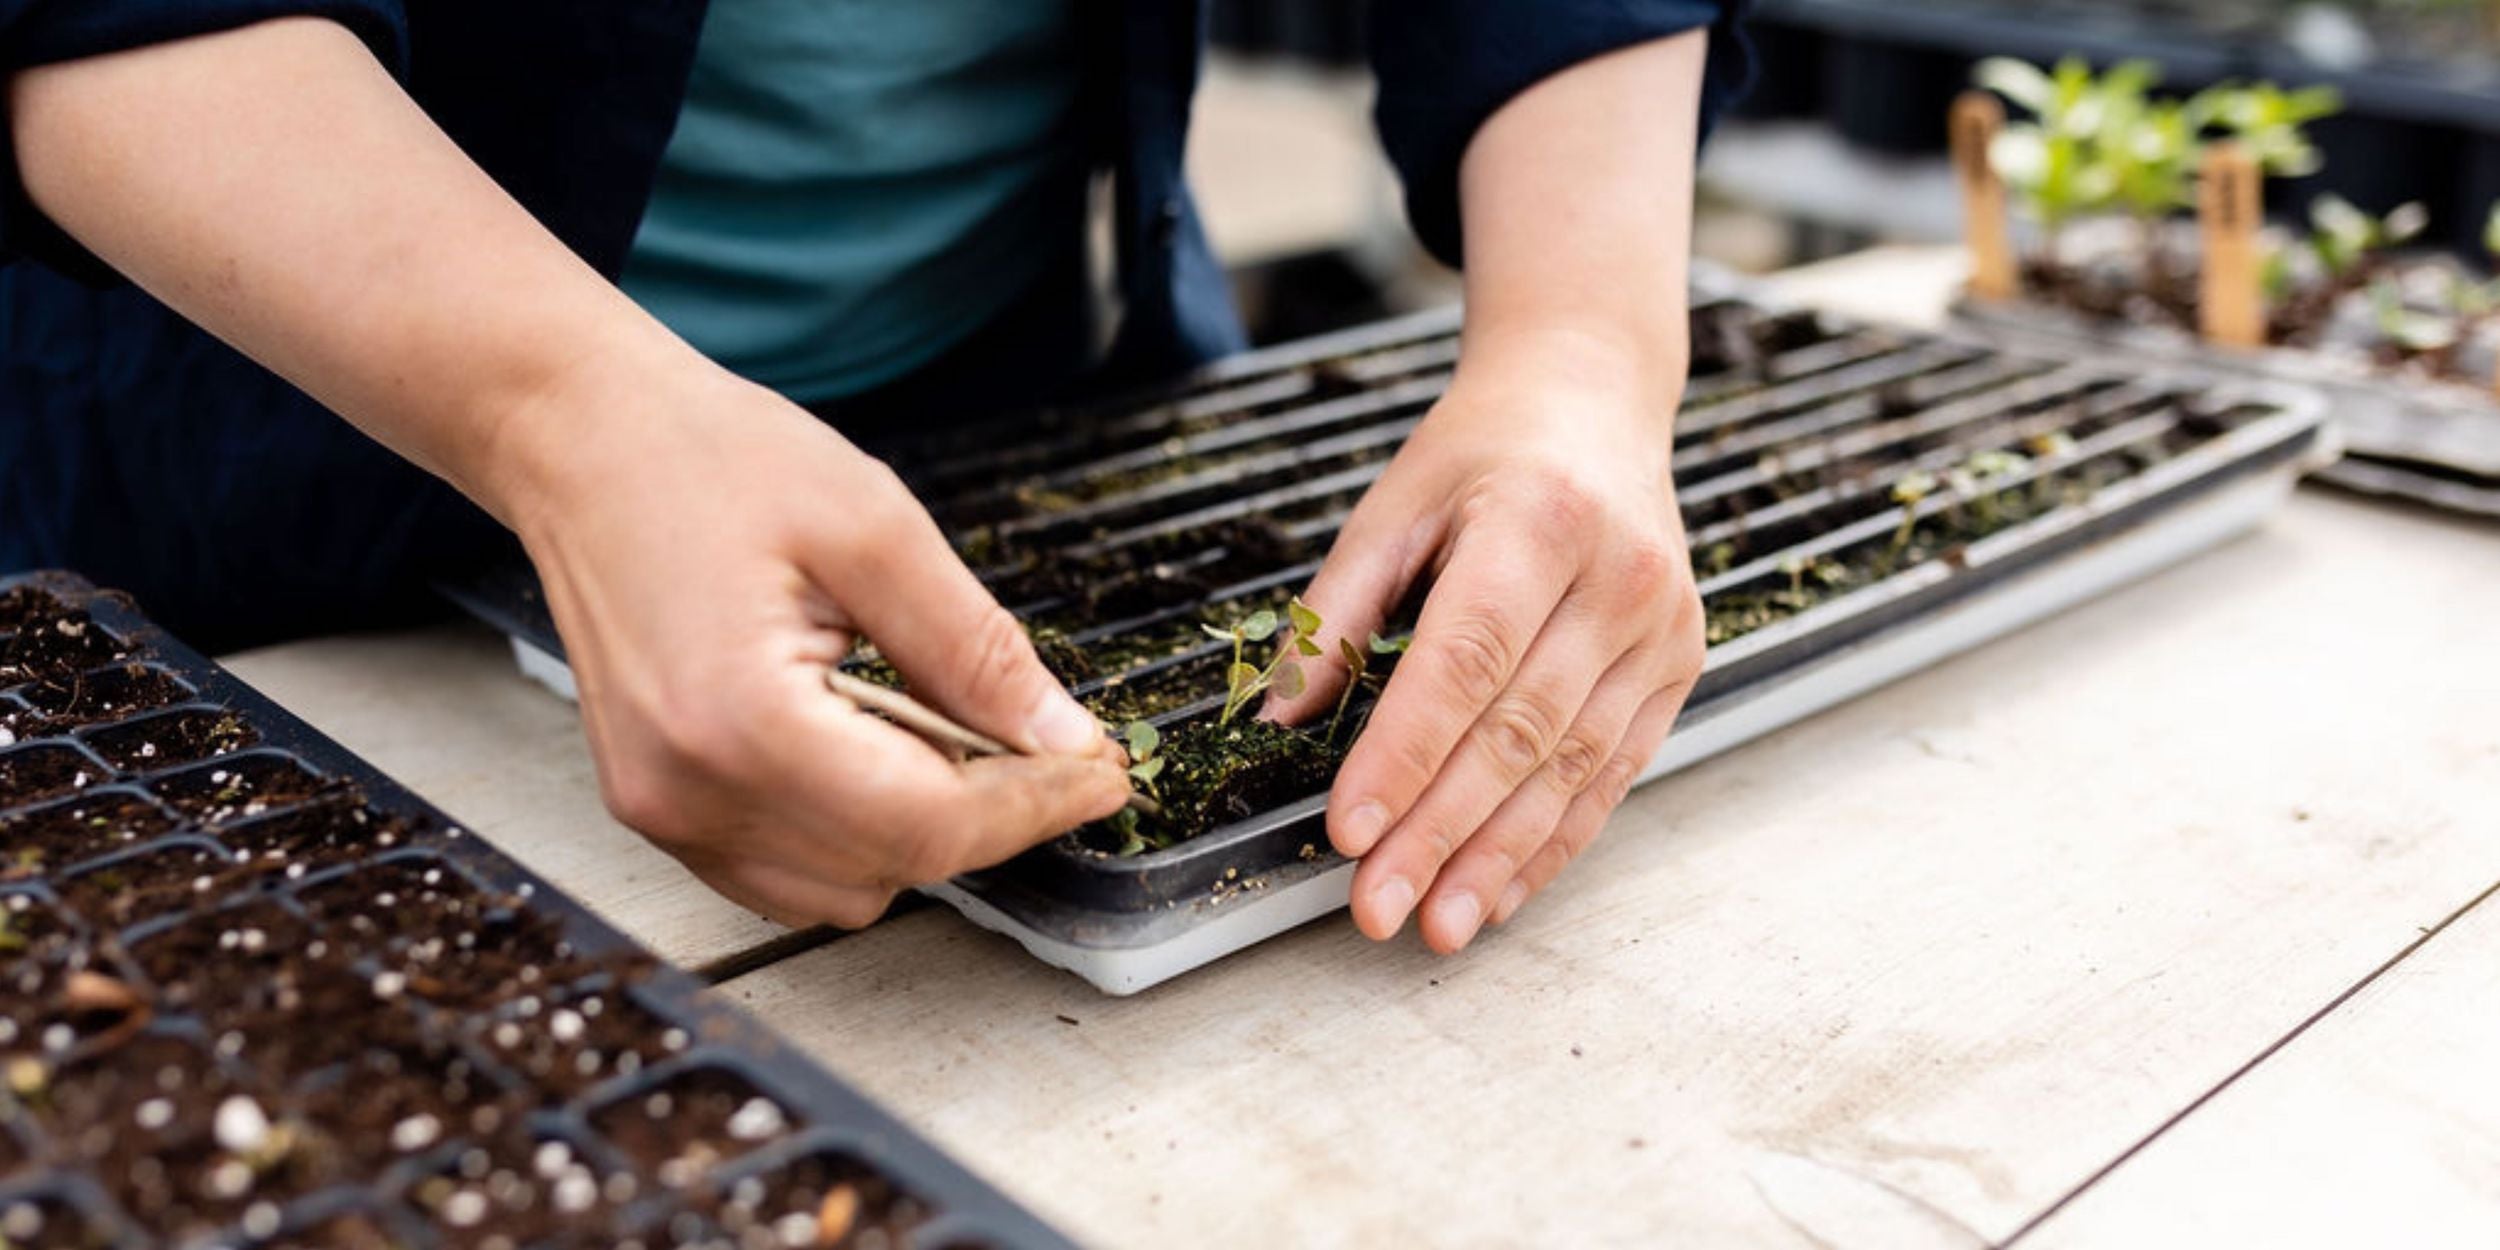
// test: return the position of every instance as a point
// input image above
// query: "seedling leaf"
(1220, 635)
(1289, 680)
(1260, 626)
(1383, 646)
(1305, 618)
(1242, 677)
(1147, 770)
(1304, 644)
(1142, 738)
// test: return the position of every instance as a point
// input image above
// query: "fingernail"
(1363, 827)
(1394, 899)
(1460, 915)
(1062, 725)
(1513, 895)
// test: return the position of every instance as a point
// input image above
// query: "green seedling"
(2051, 162)
(12, 942)
(2347, 241)
(1909, 492)
(1143, 764)
(1245, 681)
(2270, 123)
(2412, 332)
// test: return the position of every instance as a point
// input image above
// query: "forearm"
(1577, 198)
(277, 187)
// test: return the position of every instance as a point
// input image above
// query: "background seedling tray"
(137, 756)
(2432, 442)
(1794, 429)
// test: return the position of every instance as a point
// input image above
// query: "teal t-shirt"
(856, 185)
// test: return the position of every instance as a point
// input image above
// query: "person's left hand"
(1558, 641)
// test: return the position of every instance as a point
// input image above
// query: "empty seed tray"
(252, 993)
(1860, 502)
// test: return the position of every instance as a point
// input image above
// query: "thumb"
(958, 648)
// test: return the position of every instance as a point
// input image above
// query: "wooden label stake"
(1977, 117)
(2231, 296)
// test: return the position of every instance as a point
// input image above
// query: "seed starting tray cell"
(1860, 503)
(255, 994)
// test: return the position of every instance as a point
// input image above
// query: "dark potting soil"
(106, 694)
(250, 786)
(827, 1199)
(182, 737)
(1215, 774)
(75, 829)
(692, 1123)
(445, 940)
(567, 1046)
(32, 773)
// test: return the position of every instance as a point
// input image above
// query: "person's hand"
(707, 557)
(1560, 636)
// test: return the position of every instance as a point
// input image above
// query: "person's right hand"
(708, 554)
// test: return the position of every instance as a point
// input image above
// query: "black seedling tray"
(257, 994)
(1116, 530)
(2433, 442)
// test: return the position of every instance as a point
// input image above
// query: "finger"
(910, 594)
(792, 899)
(1493, 597)
(1469, 887)
(875, 805)
(1376, 557)
(1499, 755)
(1586, 817)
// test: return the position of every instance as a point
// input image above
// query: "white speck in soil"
(464, 1208)
(592, 1006)
(389, 984)
(59, 1037)
(24, 1222)
(565, 1026)
(757, 1120)
(797, 1230)
(154, 1114)
(619, 1188)
(674, 1040)
(241, 1126)
(231, 1178)
(551, 1160)
(415, 1133)
(261, 1219)
(576, 1192)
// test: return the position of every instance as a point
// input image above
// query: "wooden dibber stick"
(1976, 119)
(929, 723)
(2231, 293)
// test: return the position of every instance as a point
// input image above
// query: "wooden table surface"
(2161, 922)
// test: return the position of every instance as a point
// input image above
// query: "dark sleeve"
(1445, 67)
(41, 32)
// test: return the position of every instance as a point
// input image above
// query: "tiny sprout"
(1245, 681)
(2410, 331)
(1144, 765)
(1912, 488)
(1384, 646)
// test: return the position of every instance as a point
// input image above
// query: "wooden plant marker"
(1976, 119)
(2231, 298)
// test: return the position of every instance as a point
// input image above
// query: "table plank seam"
(2254, 1062)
